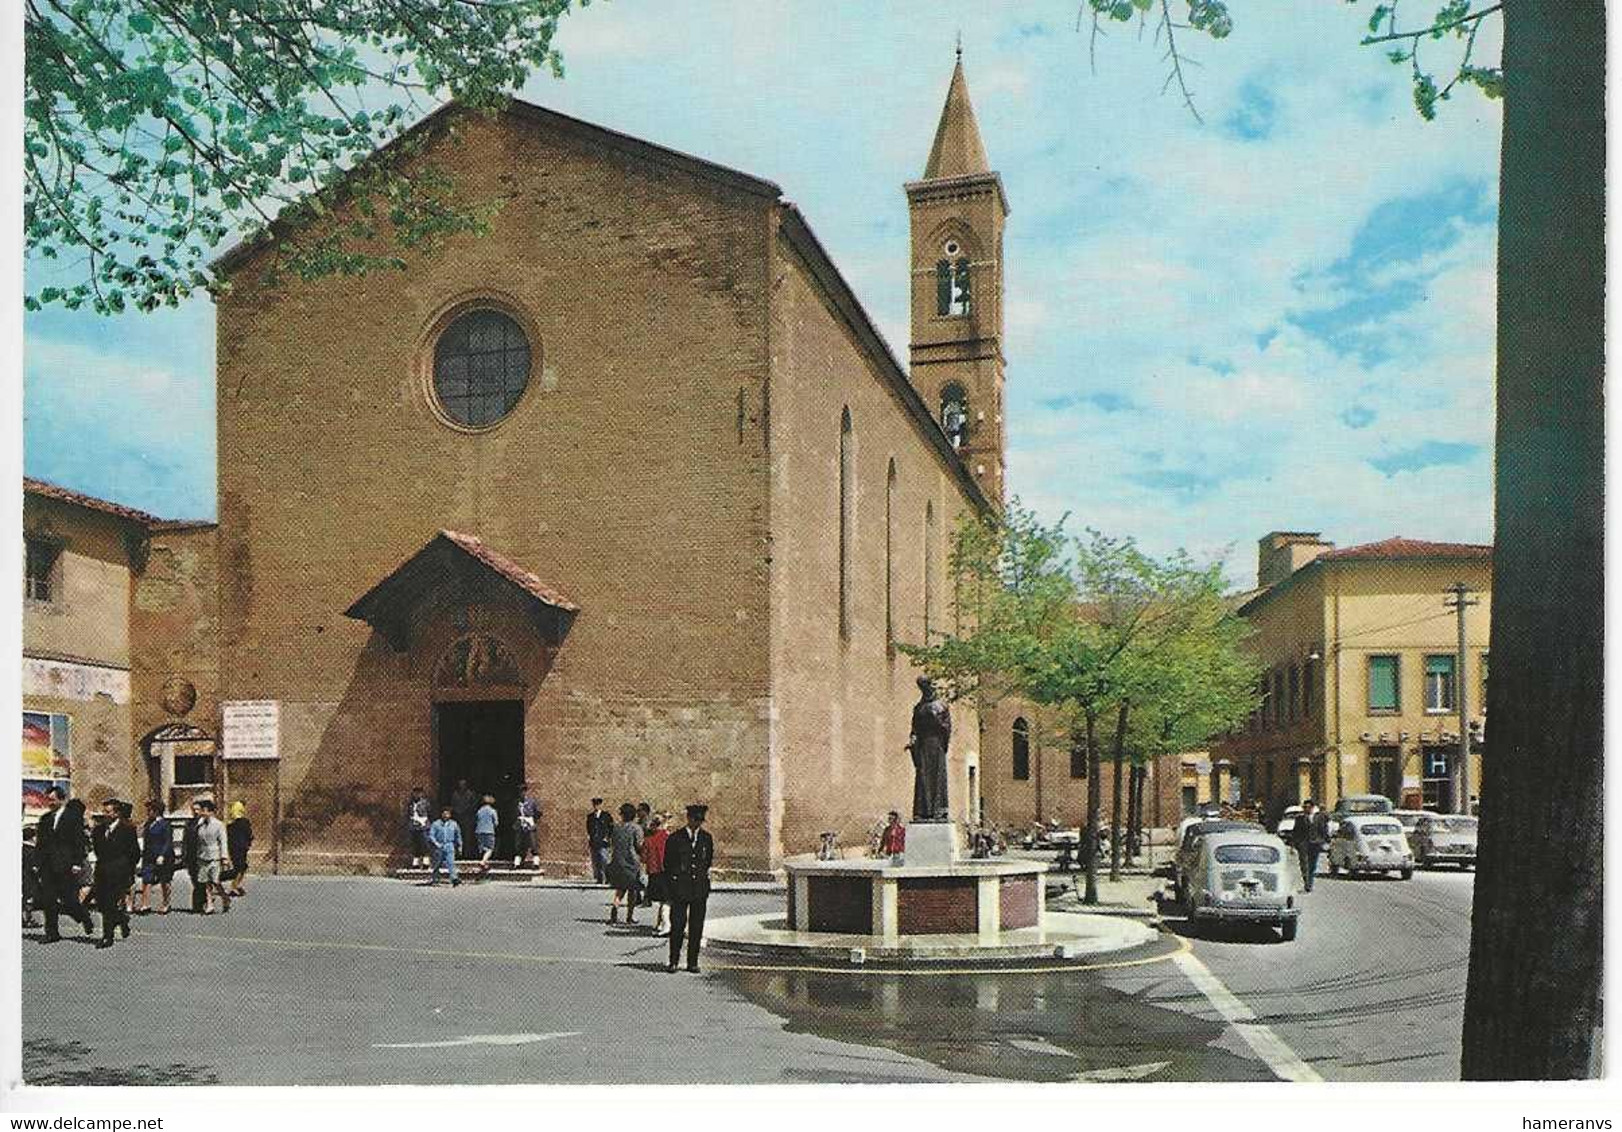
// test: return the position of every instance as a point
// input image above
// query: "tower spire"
(957, 151)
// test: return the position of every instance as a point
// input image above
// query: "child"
(484, 830)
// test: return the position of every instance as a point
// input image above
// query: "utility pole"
(1458, 601)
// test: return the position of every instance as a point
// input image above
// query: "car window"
(1246, 855)
(1454, 825)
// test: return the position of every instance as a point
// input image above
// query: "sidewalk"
(1132, 895)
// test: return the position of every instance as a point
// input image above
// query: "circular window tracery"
(481, 367)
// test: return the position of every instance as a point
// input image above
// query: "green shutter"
(1383, 683)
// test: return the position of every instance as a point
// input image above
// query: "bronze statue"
(931, 733)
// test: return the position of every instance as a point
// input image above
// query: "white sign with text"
(252, 729)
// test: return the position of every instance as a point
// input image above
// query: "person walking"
(239, 839)
(644, 818)
(61, 842)
(213, 853)
(1311, 834)
(893, 841)
(688, 856)
(625, 865)
(599, 828)
(31, 891)
(117, 850)
(445, 835)
(465, 805)
(485, 822)
(418, 817)
(157, 858)
(653, 861)
(188, 856)
(525, 843)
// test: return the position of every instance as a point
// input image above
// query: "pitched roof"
(957, 151)
(47, 490)
(454, 556)
(1398, 547)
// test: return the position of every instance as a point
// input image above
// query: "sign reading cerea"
(252, 729)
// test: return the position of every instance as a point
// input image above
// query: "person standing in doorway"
(1311, 834)
(445, 835)
(213, 853)
(418, 817)
(465, 805)
(625, 866)
(157, 858)
(599, 828)
(239, 837)
(484, 828)
(688, 856)
(525, 845)
(653, 860)
(117, 850)
(61, 861)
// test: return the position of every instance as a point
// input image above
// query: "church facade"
(626, 498)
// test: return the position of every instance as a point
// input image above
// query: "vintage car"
(1358, 804)
(1409, 820)
(1188, 848)
(1370, 843)
(1244, 876)
(1444, 838)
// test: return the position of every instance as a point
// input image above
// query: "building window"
(1022, 750)
(1278, 698)
(955, 415)
(847, 488)
(1307, 671)
(41, 557)
(952, 281)
(1383, 773)
(929, 568)
(1481, 707)
(1383, 697)
(481, 366)
(194, 770)
(1295, 693)
(1078, 756)
(889, 558)
(1439, 686)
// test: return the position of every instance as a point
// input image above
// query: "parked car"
(1445, 838)
(1243, 876)
(1370, 843)
(1188, 848)
(1358, 804)
(1409, 820)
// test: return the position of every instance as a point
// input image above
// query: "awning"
(464, 564)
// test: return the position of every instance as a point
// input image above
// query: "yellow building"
(1361, 691)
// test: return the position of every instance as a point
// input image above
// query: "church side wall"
(630, 476)
(843, 703)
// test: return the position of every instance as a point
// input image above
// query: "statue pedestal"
(932, 843)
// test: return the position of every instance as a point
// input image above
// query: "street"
(372, 981)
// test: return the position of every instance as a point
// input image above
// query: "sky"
(1278, 318)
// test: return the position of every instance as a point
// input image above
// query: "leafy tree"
(1533, 1002)
(154, 128)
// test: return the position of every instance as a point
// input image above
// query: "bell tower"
(958, 210)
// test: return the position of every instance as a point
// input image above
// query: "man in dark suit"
(60, 840)
(1311, 834)
(599, 828)
(117, 850)
(688, 856)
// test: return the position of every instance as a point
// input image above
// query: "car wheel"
(1334, 868)
(1287, 930)
(1407, 874)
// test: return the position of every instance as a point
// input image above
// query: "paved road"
(369, 981)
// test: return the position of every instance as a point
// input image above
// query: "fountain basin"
(884, 901)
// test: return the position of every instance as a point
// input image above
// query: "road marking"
(480, 1040)
(1123, 1072)
(1268, 1046)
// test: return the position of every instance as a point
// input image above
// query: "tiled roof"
(1399, 547)
(510, 570)
(106, 507)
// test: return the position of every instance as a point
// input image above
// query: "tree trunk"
(1089, 846)
(1115, 801)
(1532, 1004)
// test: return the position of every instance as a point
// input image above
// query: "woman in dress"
(157, 858)
(653, 859)
(238, 838)
(625, 865)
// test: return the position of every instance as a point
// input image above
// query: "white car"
(1370, 843)
(1286, 822)
(1244, 876)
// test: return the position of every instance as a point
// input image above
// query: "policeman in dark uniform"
(688, 856)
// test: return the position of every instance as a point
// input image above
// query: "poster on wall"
(45, 758)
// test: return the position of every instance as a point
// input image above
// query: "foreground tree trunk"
(1119, 757)
(1089, 846)
(1532, 1007)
